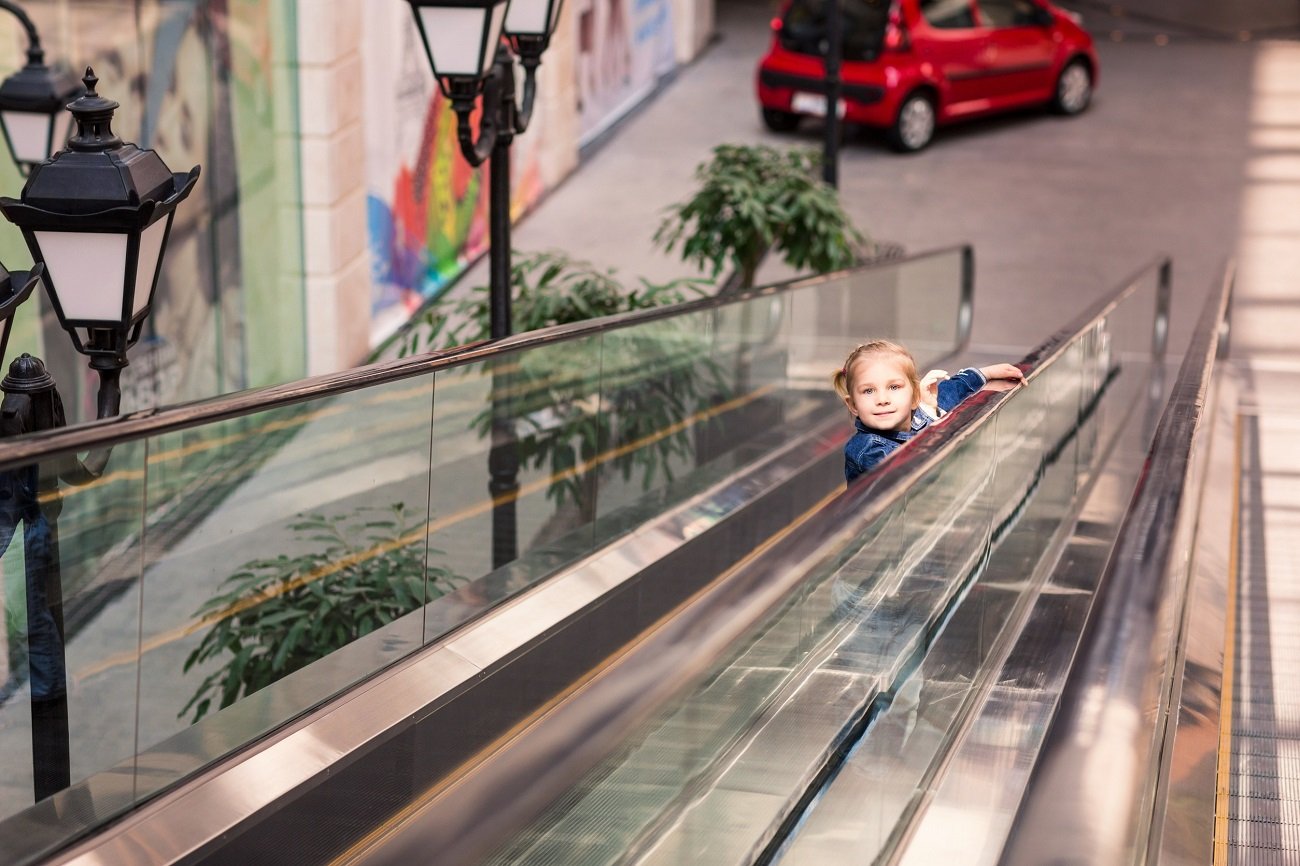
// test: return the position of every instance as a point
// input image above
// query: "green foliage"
(755, 198)
(621, 401)
(548, 288)
(275, 616)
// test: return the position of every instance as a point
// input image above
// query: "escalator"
(722, 658)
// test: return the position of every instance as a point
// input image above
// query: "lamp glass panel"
(494, 34)
(29, 133)
(455, 37)
(528, 17)
(63, 123)
(87, 271)
(151, 240)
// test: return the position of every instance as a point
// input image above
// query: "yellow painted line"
(387, 396)
(1223, 782)
(180, 632)
(446, 785)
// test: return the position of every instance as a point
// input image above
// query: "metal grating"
(1263, 821)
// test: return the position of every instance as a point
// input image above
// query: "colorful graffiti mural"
(426, 206)
(432, 223)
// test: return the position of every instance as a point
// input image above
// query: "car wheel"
(780, 121)
(913, 128)
(1073, 88)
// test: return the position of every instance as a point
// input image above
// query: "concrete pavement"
(1059, 210)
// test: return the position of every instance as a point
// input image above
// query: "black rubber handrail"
(112, 431)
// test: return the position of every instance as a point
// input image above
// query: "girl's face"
(881, 395)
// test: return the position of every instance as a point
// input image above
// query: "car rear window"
(803, 28)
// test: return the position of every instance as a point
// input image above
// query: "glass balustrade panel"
(517, 445)
(666, 406)
(916, 303)
(285, 562)
(72, 596)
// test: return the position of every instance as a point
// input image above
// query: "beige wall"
(358, 146)
(331, 114)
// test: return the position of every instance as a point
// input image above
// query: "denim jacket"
(869, 447)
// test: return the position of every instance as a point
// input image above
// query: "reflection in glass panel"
(71, 570)
(667, 403)
(516, 444)
(751, 366)
(916, 303)
(286, 555)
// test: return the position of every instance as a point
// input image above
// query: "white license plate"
(814, 104)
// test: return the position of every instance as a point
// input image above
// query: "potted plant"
(753, 198)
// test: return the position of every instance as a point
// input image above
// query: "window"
(804, 27)
(1010, 13)
(948, 14)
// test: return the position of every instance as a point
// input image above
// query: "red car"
(911, 65)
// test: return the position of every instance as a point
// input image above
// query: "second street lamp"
(462, 39)
(32, 101)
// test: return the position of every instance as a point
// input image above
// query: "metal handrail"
(112, 431)
(1104, 717)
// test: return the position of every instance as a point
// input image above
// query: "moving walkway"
(674, 642)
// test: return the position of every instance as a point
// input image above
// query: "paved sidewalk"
(1060, 211)
(607, 211)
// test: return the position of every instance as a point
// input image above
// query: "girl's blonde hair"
(844, 385)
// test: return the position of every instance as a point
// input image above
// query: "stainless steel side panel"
(1186, 833)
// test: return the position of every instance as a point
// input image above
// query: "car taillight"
(776, 25)
(896, 36)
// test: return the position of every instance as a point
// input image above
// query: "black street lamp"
(32, 102)
(96, 218)
(463, 41)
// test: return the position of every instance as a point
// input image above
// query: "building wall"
(209, 83)
(334, 199)
(427, 209)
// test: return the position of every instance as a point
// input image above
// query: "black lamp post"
(96, 218)
(463, 41)
(834, 87)
(32, 102)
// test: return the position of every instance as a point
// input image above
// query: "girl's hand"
(1004, 371)
(930, 389)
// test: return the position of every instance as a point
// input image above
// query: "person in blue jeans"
(890, 403)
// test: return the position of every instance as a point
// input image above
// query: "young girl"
(890, 403)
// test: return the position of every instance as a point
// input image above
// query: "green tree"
(752, 198)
